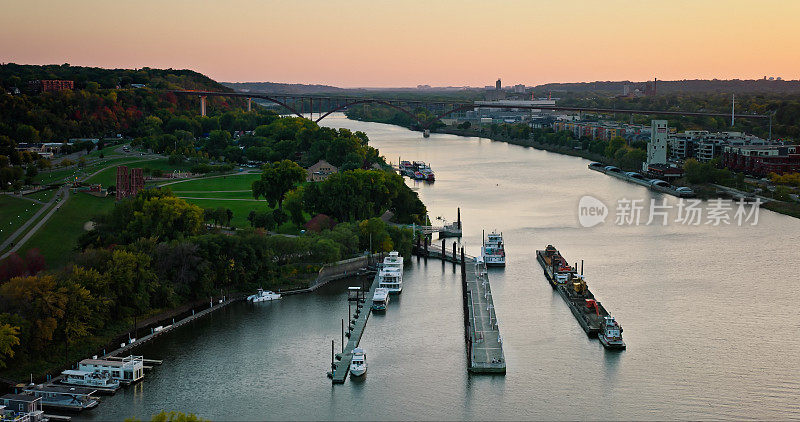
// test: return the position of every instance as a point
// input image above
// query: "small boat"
(611, 334)
(102, 381)
(263, 296)
(380, 299)
(358, 365)
(493, 251)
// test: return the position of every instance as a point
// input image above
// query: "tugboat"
(263, 296)
(358, 366)
(611, 334)
(493, 251)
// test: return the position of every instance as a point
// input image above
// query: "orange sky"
(410, 42)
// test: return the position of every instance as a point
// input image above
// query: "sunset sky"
(405, 43)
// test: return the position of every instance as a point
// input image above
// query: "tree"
(9, 337)
(277, 179)
(294, 206)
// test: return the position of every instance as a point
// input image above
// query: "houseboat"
(358, 365)
(127, 370)
(64, 397)
(21, 408)
(102, 382)
(493, 251)
(380, 299)
(394, 260)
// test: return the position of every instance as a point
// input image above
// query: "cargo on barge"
(571, 285)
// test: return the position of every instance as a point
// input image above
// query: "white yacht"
(390, 276)
(263, 296)
(358, 365)
(394, 260)
(493, 251)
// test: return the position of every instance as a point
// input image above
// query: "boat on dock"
(100, 381)
(417, 170)
(126, 370)
(64, 397)
(493, 251)
(390, 276)
(358, 365)
(263, 296)
(380, 299)
(571, 286)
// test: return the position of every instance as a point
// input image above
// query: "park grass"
(235, 181)
(43, 195)
(108, 176)
(241, 209)
(57, 239)
(247, 194)
(14, 212)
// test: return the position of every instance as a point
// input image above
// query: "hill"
(686, 86)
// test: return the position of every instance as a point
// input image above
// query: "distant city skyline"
(361, 43)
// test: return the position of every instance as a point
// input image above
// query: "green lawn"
(235, 181)
(59, 236)
(43, 195)
(219, 195)
(14, 212)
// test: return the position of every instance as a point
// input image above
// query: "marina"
(416, 350)
(341, 367)
(481, 326)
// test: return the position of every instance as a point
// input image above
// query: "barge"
(590, 313)
(639, 179)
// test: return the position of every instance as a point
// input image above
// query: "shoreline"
(704, 191)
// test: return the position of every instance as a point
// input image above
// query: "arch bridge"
(327, 104)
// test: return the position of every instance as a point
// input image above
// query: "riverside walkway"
(481, 328)
(342, 367)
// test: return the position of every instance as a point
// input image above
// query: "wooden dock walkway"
(481, 328)
(342, 367)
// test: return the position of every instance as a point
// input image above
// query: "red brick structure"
(51, 85)
(761, 160)
(128, 183)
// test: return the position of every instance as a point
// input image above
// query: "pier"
(481, 327)
(341, 367)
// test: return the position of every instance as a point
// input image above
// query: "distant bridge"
(327, 104)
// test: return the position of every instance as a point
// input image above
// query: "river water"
(710, 313)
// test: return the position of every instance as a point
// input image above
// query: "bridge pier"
(203, 105)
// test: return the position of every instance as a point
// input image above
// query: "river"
(710, 314)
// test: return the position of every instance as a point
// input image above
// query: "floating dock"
(481, 328)
(342, 367)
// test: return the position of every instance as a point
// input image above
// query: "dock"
(481, 327)
(342, 367)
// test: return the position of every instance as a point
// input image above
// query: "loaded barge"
(591, 315)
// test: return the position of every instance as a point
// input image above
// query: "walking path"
(61, 191)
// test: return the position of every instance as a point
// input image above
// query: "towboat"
(611, 334)
(358, 365)
(493, 251)
(263, 296)
(380, 299)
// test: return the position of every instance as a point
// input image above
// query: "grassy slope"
(14, 212)
(239, 181)
(58, 237)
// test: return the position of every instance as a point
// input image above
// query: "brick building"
(51, 85)
(761, 160)
(129, 183)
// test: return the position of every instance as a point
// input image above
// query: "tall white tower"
(657, 148)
